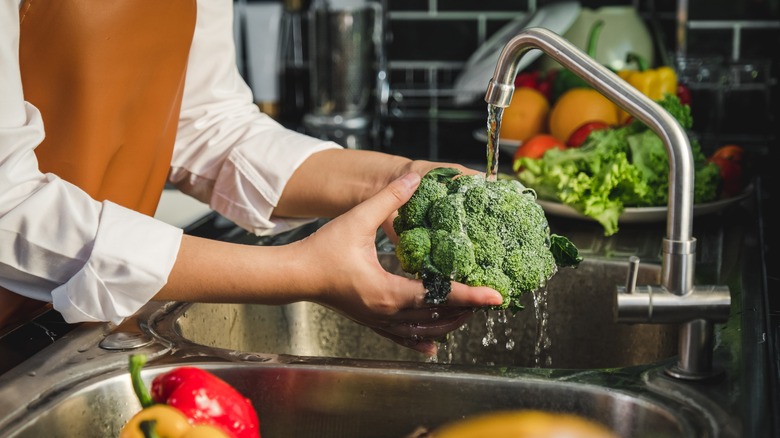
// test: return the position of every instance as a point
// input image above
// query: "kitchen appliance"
(347, 72)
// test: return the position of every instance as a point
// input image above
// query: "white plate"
(508, 146)
(479, 69)
(644, 214)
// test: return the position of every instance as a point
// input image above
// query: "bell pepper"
(199, 397)
(684, 94)
(729, 159)
(653, 83)
(539, 81)
(565, 80)
(205, 398)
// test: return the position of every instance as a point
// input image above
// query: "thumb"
(380, 206)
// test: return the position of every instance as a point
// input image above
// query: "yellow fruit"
(524, 424)
(170, 422)
(525, 116)
(579, 106)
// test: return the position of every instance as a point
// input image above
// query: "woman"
(134, 93)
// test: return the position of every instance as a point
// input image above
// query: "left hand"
(354, 283)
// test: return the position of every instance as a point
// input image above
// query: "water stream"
(500, 319)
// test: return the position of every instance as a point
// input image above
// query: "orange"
(525, 116)
(579, 106)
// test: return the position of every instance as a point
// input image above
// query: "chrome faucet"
(676, 300)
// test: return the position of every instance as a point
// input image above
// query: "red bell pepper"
(684, 94)
(541, 82)
(202, 397)
(205, 398)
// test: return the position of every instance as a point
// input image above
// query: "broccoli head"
(478, 232)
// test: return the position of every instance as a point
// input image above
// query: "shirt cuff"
(130, 262)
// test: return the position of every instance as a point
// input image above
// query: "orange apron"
(108, 78)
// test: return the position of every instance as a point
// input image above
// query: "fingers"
(380, 206)
(428, 330)
(473, 296)
(426, 347)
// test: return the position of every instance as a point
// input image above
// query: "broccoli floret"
(414, 249)
(481, 233)
(413, 213)
(452, 253)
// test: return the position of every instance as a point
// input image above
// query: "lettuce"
(615, 168)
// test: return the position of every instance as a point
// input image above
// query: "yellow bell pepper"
(167, 422)
(653, 83)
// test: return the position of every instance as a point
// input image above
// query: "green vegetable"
(479, 232)
(615, 168)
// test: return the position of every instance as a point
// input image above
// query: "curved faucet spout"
(679, 247)
(501, 88)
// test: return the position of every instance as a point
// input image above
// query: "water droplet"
(435, 316)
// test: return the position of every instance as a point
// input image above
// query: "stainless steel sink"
(573, 327)
(312, 373)
(300, 400)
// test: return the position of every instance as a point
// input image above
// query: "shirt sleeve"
(94, 261)
(228, 154)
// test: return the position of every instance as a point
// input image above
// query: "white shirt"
(98, 261)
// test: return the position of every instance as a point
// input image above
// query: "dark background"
(428, 43)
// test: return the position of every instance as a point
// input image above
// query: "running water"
(491, 339)
(493, 128)
(543, 341)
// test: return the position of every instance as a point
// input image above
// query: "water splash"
(490, 336)
(543, 341)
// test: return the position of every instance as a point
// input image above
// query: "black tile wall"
(426, 36)
(444, 34)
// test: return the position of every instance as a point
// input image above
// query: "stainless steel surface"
(342, 58)
(679, 246)
(569, 326)
(74, 387)
(344, 402)
(348, 79)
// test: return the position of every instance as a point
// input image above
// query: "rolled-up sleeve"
(228, 154)
(95, 261)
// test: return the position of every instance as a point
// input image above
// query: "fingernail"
(410, 179)
(497, 298)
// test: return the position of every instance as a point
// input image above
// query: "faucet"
(676, 300)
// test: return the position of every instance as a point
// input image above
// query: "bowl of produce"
(618, 172)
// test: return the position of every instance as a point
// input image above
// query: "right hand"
(343, 262)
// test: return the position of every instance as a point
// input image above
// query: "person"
(103, 102)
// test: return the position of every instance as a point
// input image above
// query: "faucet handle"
(633, 272)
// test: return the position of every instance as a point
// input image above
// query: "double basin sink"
(312, 373)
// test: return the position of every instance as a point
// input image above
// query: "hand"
(421, 167)
(342, 258)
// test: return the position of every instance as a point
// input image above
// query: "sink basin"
(572, 328)
(298, 400)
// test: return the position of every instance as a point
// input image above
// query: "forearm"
(331, 182)
(214, 271)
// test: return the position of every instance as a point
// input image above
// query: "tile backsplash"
(428, 42)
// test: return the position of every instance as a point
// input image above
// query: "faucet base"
(679, 373)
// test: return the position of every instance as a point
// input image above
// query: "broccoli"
(478, 232)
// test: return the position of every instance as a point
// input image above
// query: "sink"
(313, 373)
(573, 327)
(300, 400)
